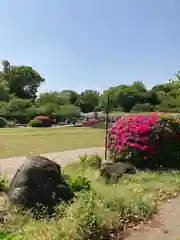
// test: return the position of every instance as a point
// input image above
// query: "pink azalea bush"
(144, 139)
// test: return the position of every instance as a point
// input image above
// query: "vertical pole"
(106, 127)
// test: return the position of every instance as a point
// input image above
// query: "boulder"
(39, 182)
(112, 171)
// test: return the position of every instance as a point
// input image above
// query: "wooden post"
(106, 127)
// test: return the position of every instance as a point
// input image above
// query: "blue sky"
(92, 44)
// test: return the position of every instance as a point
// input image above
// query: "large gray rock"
(112, 171)
(39, 182)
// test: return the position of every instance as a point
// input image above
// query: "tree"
(88, 100)
(18, 105)
(23, 81)
(91, 96)
(71, 96)
(4, 89)
(127, 97)
(139, 86)
(142, 107)
(49, 109)
(113, 103)
(69, 111)
(150, 97)
(52, 97)
(6, 66)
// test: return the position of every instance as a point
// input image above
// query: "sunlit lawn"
(23, 141)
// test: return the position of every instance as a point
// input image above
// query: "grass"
(24, 141)
(103, 210)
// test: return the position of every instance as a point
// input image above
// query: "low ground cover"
(103, 210)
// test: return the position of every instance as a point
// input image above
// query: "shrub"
(83, 220)
(45, 121)
(5, 235)
(35, 123)
(11, 124)
(94, 161)
(3, 184)
(142, 107)
(146, 140)
(3, 122)
(81, 183)
(69, 111)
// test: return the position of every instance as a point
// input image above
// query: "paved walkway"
(10, 165)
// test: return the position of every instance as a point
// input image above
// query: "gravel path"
(10, 165)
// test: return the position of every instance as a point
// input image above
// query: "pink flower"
(135, 131)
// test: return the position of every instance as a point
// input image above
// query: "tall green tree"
(139, 86)
(6, 66)
(127, 97)
(88, 100)
(51, 97)
(23, 81)
(4, 89)
(71, 96)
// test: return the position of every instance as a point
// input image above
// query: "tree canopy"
(19, 95)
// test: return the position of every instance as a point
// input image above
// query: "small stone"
(112, 171)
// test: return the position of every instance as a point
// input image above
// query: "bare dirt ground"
(164, 226)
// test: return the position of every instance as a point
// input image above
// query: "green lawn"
(23, 141)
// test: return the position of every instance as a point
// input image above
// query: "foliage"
(3, 122)
(45, 121)
(142, 107)
(69, 111)
(4, 89)
(51, 97)
(35, 123)
(127, 97)
(81, 183)
(6, 236)
(19, 101)
(3, 183)
(141, 139)
(94, 161)
(71, 96)
(139, 86)
(88, 100)
(104, 211)
(23, 81)
(11, 124)
(17, 105)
